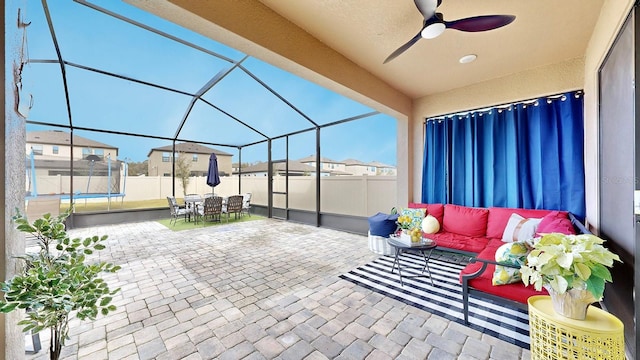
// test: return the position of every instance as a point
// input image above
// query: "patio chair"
(212, 208)
(246, 204)
(193, 204)
(176, 210)
(234, 205)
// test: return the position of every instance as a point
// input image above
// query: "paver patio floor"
(265, 289)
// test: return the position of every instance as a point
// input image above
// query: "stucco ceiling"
(366, 32)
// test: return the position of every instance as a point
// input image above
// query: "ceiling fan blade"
(480, 23)
(427, 7)
(402, 48)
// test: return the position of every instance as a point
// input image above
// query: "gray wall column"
(12, 174)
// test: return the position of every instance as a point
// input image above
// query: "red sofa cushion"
(465, 220)
(499, 217)
(556, 221)
(435, 210)
(516, 291)
(459, 242)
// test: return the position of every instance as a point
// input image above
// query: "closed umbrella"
(213, 178)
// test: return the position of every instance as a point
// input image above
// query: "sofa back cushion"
(435, 210)
(465, 220)
(556, 222)
(499, 217)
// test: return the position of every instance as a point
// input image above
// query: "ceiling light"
(433, 30)
(468, 58)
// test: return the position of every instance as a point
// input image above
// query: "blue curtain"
(434, 184)
(527, 155)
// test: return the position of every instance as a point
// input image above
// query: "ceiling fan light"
(433, 30)
(468, 58)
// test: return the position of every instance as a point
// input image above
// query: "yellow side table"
(599, 336)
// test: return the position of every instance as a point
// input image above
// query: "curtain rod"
(504, 106)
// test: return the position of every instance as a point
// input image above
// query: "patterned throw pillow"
(514, 253)
(520, 229)
(416, 216)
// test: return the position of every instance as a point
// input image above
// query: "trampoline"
(100, 178)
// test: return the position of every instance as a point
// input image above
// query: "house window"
(166, 157)
(86, 152)
(55, 149)
(36, 149)
(194, 158)
(99, 153)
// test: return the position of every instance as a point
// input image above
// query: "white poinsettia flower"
(565, 260)
(561, 262)
(544, 258)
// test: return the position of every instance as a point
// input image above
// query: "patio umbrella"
(213, 178)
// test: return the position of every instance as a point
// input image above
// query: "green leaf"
(595, 285)
(599, 270)
(28, 327)
(8, 307)
(105, 301)
(582, 271)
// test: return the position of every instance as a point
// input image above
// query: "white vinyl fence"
(348, 195)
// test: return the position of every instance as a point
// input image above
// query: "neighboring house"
(160, 159)
(51, 153)
(384, 169)
(56, 144)
(325, 164)
(296, 168)
(357, 167)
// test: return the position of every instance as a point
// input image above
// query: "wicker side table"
(599, 336)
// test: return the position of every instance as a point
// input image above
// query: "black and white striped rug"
(444, 298)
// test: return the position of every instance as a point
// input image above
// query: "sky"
(236, 111)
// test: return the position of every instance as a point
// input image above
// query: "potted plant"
(58, 280)
(573, 268)
(410, 233)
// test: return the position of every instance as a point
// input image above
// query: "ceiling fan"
(434, 24)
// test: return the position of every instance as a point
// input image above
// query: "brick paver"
(262, 289)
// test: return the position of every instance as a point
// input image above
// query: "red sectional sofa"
(478, 232)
